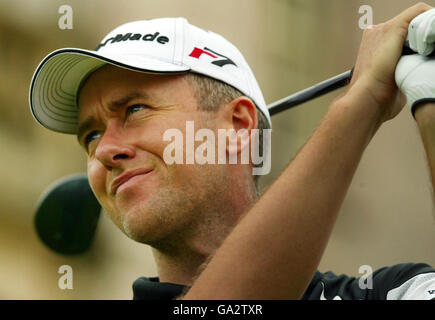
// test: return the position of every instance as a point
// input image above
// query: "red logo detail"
(222, 61)
(196, 53)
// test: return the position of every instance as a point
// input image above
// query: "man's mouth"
(125, 177)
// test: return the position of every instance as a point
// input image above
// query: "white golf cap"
(163, 46)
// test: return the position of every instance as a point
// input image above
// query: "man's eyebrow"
(116, 104)
(113, 106)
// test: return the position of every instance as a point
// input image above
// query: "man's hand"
(379, 53)
(415, 76)
(421, 33)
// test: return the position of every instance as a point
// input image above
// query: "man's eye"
(136, 108)
(90, 137)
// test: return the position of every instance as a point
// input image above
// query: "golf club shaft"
(310, 93)
(319, 89)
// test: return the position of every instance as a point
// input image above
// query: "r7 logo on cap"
(197, 52)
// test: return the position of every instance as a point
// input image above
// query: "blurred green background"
(387, 216)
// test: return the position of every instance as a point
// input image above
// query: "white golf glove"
(415, 77)
(421, 33)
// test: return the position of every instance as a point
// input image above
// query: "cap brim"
(56, 81)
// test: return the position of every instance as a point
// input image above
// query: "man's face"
(123, 115)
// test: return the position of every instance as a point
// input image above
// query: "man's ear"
(241, 115)
(244, 114)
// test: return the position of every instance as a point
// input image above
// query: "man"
(212, 237)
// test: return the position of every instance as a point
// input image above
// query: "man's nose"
(112, 150)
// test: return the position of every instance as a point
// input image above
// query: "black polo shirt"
(407, 281)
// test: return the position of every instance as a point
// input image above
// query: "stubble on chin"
(175, 211)
(161, 218)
